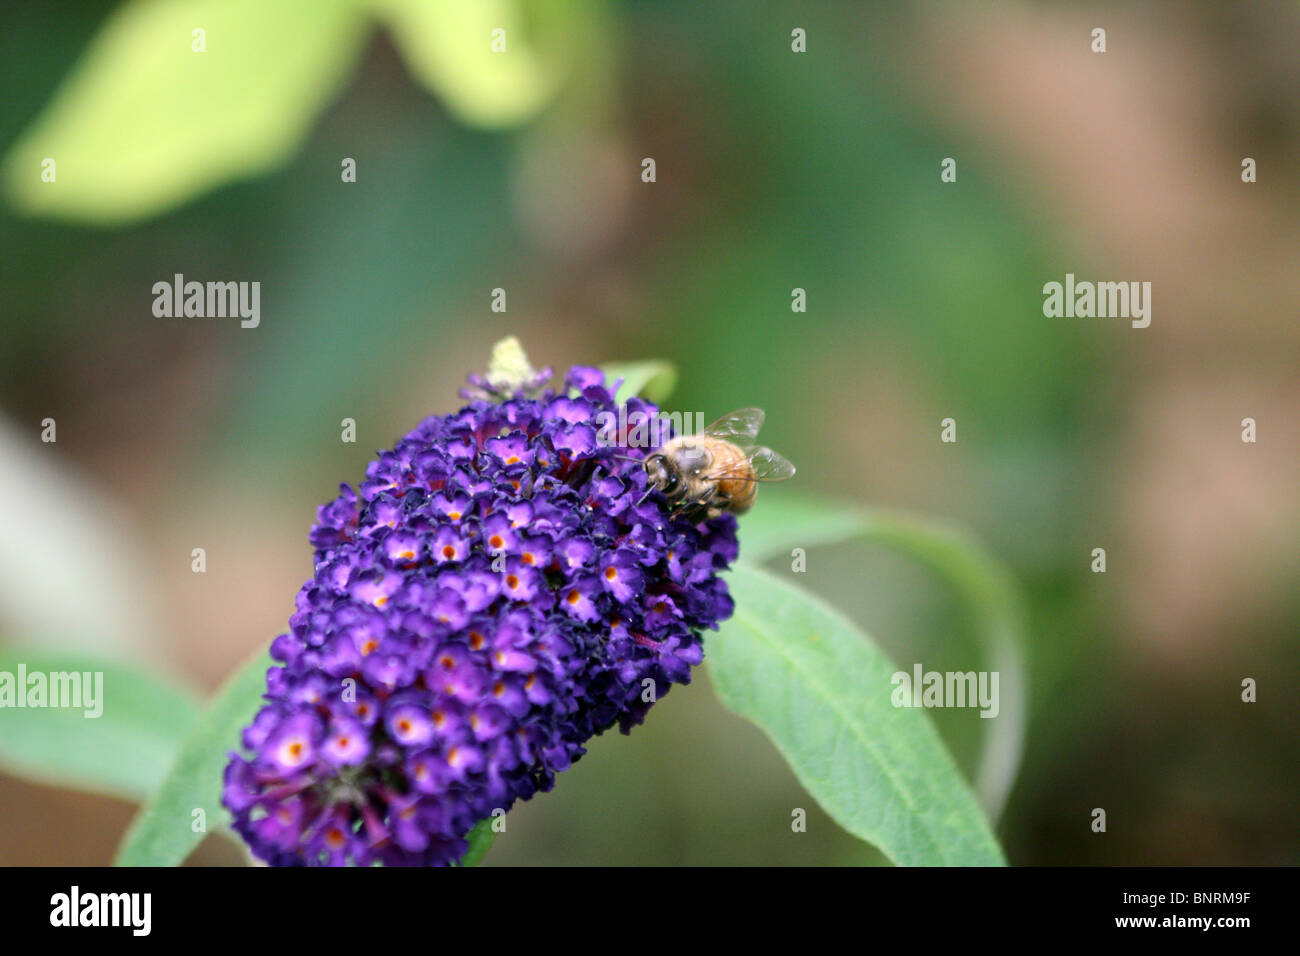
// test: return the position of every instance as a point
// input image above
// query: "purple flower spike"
(491, 597)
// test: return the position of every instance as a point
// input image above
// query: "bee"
(717, 470)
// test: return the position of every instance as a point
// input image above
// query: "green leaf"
(821, 691)
(144, 123)
(162, 833)
(784, 521)
(124, 752)
(652, 379)
(480, 841)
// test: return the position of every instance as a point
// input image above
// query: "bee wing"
(768, 465)
(737, 427)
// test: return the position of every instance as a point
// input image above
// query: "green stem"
(480, 841)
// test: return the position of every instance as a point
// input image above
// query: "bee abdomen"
(737, 485)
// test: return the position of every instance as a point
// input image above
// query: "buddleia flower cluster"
(499, 589)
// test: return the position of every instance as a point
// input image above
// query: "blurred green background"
(775, 170)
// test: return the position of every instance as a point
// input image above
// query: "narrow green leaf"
(480, 841)
(124, 752)
(146, 122)
(821, 690)
(783, 521)
(163, 833)
(652, 379)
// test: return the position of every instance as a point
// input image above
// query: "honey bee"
(717, 470)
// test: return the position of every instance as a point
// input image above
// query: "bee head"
(660, 474)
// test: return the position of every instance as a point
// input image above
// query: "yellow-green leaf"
(449, 46)
(145, 122)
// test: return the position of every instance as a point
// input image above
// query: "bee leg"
(718, 507)
(707, 504)
(685, 508)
